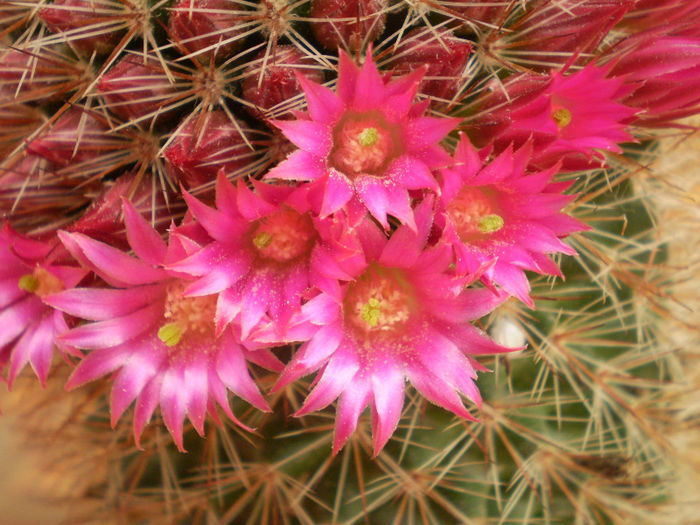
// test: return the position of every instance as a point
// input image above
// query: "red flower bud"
(203, 146)
(278, 83)
(198, 24)
(132, 89)
(445, 56)
(347, 23)
(89, 17)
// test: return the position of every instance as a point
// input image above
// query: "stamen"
(262, 240)
(561, 117)
(371, 312)
(368, 137)
(170, 334)
(491, 223)
(28, 283)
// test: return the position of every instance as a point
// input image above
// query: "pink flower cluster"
(371, 247)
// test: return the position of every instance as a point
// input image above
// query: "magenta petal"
(99, 304)
(353, 400)
(98, 364)
(411, 174)
(218, 392)
(249, 204)
(113, 332)
(347, 77)
(255, 301)
(220, 226)
(338, 192)
(143, 239)
(233, 372)
(513, 280)
(42, 348)
(388, 390)
(9, 291)
(22, 350)
(308, 135)
(426, 131)
(137, 371)
(369, 88)
(373, 194)
(300, 165)
(341, 369)
(324, 105)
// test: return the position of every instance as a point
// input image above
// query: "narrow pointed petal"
(143, 239)
(388, 391)
(353, 400)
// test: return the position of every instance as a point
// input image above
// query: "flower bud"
(278, 83)
(92, 16)
(347, 23)
(196, 25)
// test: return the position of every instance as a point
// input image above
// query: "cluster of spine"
(210, 199)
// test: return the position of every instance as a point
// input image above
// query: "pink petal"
(113, 332)
(98, 364)
(99, 304)
(435, 389)
(233, 372)
(220, 226)
(17, 317)
(173, 404)
(24, 348)
(197, 384)
(369, 87)
(373, 194)
(145, 406)
(348, 73)
(143, 239)
(137, 371)
(251, 205)
(388, 391)
(114, 266)
(336, 376)
(353, 400)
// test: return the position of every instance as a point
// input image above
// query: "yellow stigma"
(28, 283)
(490, 223)
(561, 117)
(262, 240)
(368, 137)
(170, 334)
(370, 312)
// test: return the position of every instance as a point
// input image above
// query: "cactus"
(242, 223)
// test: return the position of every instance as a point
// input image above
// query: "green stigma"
(490, 223)
(170, 334)
(371, 312)
(262, 240)
(28, 283)
(561, 117)
(368, 137)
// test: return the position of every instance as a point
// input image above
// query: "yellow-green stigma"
(262, 240)
(28, 283)
(170, 334)
(490, 223)
(561, 117)
(370, 312)
(368, 137)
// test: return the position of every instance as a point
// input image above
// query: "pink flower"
(570, 117)
(29, 272)
(501, 220)
(266, 253)
(367, 144)
(401, 315)
(160, 341)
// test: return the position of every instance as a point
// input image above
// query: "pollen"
(364, 143)
(561, 117)
(379, 302)
(40, 282)
(284, 236)
(473, 213)
(170, 334)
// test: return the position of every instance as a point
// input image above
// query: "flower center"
(186, 317)
(473, 214)
(364, 143)
(40, 282)
(379, 302)
(284, 236)
(561, 117)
